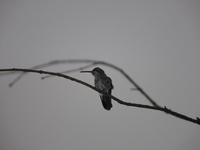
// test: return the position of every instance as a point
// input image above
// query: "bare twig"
(163, 109)
(92, 63)
(70, 71)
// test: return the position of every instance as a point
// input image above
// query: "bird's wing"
(109, 83)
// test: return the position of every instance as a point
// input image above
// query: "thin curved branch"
(70, 71)
(163, 109)
(93, 63)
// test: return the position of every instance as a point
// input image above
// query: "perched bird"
(103, 83)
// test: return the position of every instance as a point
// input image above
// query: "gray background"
(156, 42)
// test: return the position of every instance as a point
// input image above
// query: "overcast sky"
(156, 42)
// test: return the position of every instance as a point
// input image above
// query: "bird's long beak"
(86, 72)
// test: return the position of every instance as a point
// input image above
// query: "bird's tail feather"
(106, 102)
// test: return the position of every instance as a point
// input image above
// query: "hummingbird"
(103, 83)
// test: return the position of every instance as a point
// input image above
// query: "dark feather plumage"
(103, 83)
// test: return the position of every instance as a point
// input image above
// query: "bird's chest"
(100, 84)
(103, 84)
